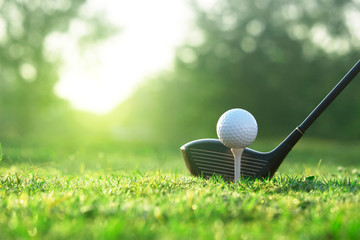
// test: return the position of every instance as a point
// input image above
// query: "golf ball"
(237, 128)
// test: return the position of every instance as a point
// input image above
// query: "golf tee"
(237, 152)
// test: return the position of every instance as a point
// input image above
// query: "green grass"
(158, 205)
(145, 193)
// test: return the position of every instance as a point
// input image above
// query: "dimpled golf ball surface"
(237, 128)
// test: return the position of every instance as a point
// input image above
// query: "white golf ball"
(237, 128)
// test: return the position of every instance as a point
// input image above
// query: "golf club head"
(208, 157)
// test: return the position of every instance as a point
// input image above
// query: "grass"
(40, 198)
(157, 205)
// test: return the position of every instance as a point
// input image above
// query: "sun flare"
(100, 79)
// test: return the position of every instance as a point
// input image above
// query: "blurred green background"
(276, 59)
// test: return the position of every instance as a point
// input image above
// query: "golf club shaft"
(285, 147)
(330, 97)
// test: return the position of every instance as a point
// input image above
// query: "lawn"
(153, 196)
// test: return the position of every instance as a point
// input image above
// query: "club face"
(208, 157)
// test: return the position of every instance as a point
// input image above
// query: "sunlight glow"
(98, 80)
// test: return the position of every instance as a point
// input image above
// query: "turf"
(159, 205)
(144, 193)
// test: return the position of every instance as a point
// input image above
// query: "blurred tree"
(276, 59)
(28, 69)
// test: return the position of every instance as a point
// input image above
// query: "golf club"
(208, 157)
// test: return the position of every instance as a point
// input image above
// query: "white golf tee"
(237, 152)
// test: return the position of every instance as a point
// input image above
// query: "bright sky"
(98, 80)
